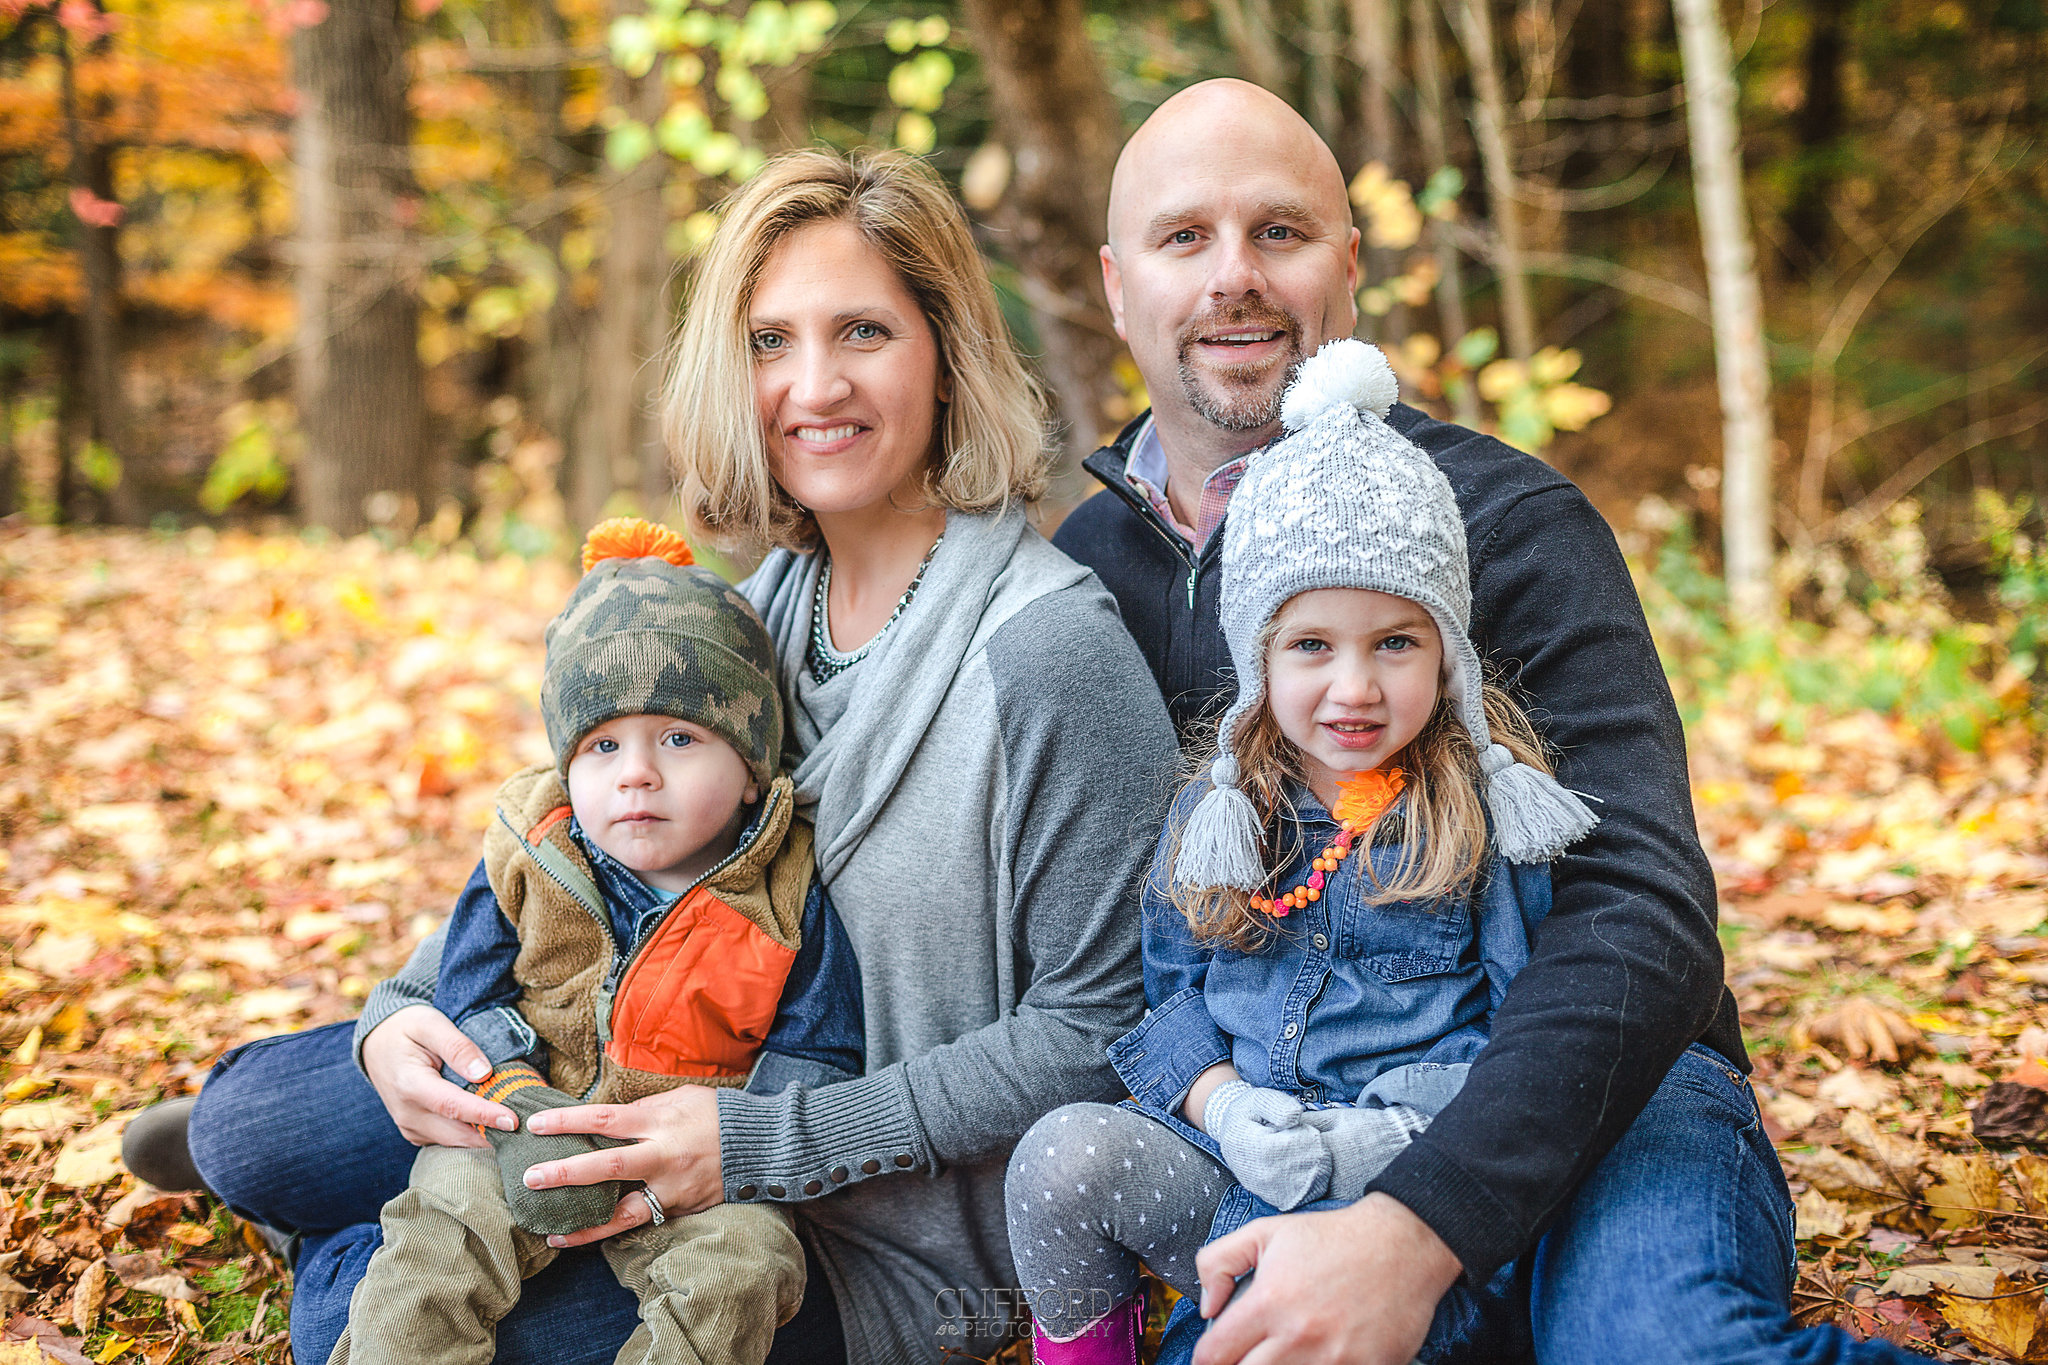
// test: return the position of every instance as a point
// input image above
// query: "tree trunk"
(1374, 43)
(360, 386)
(12, 494)
(1321, 41)
(1818, 126)
(1053, 110)
(1489, 127)
(553, 374)
(615, 446)
(1248, 29)
(1373, 46)
(99, 259)
(1737, 307)
(1429, 106)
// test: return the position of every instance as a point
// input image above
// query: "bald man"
(1605, 1155)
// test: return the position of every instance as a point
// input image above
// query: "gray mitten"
(1361, 1142)
(1268, 1148)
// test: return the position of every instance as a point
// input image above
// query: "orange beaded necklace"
(1362, 799)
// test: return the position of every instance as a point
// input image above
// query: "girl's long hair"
(1440, 820)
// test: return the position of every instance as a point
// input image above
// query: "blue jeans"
(288, 1133)
(1677, 1248)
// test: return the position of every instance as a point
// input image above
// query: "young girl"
(1335, 908)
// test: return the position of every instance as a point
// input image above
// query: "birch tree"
(1737, 303)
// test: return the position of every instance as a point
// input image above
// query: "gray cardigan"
(986, 784)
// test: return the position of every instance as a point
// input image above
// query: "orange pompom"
(633, 538)
(1363, 798)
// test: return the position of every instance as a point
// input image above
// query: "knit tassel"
(1219, 845)
(1534, 817)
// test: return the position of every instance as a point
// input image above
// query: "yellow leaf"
(67, 1030)
(40, 1118)
(1502, 378)
(26, 1087)
(2008, 1325)
(190, 1234)
(186, 1314)
(21, 1353)
(1968, 1194)
(114, 1349)
(93, 1157)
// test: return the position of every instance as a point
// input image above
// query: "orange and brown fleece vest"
(695, 1000)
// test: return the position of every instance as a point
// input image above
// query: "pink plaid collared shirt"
(1146, 472)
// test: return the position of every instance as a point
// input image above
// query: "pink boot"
(1112, 1340)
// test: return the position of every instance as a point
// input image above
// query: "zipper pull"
(604, 1015)
(1194, 572)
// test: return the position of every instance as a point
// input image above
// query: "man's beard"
(1252, 392)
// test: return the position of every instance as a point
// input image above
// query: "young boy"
(645, 916)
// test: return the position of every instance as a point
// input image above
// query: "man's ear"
(1351, 278)
(1113, 285)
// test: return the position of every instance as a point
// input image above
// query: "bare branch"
(1613, 106)
(1921, 466)
(1930, 396)
(1562, 265)
(1593, 198)
(1849, 311)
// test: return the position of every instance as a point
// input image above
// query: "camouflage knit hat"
(647, 633)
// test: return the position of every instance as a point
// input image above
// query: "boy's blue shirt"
(818, 1036)
(1346, 998)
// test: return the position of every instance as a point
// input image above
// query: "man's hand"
(403, 1056)
(1355, 1286)
(673, 1150)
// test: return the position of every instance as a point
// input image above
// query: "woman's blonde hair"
(1440, 821)
(993, 447)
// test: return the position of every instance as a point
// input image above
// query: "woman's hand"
(403, 1056)
(674, 1152)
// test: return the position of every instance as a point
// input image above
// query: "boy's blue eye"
(604, 746)
(679, 739)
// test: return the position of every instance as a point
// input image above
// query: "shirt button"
(870, 1166)
(904, 1159)
(1290, 1030)
(839, 1174)
(813, 1186)
(747, 1191)
(776, 1192)
(1322, 944)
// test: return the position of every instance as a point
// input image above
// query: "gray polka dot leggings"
(1093, 1190)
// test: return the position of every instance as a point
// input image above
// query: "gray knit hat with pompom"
(1342, 500)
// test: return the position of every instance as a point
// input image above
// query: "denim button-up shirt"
(1349, 1001)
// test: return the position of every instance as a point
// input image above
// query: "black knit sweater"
(1626, 972)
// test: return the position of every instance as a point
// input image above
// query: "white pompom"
(1344, 372)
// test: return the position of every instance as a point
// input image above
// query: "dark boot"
(154, 1148)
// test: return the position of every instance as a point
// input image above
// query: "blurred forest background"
(408, 264)
(326, 326)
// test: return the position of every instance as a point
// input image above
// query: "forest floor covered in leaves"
(240, 777)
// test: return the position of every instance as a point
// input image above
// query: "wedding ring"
(653, 1208)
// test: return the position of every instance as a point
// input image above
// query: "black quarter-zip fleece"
(1626, 971)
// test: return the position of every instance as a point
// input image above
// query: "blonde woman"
(976, 738)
